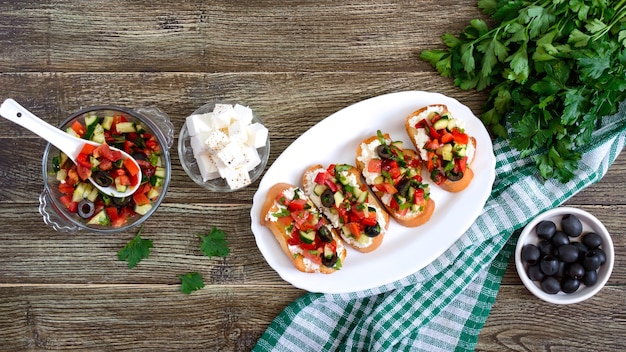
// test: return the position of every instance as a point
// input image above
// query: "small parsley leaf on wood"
(190, 282)
(214, 243)
(136, 250)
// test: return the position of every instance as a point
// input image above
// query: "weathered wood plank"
(137, 317)
(195, 36)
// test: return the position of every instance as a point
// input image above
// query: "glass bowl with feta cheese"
(224, 146)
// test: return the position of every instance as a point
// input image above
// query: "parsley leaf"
(136, 250)
(214, 243)
(554, 68)
(190, 282)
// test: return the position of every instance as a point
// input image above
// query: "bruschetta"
(395, 176)
(447, 151)
(348, 204)
(302, 231)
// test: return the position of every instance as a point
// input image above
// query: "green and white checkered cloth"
(443, 306)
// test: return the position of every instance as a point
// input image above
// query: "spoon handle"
(14, 112)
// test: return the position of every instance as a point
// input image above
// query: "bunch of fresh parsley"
(553, 68)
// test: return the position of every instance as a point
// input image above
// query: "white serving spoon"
(66, 143)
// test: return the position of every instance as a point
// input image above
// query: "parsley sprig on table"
(135, 250)
(553, 67)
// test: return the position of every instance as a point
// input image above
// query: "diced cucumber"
(159, 172)
(346, 230)
(140, 128)
(93, 194)
(307, 236)
(362, 197)
(338, 198)
(91, 119)
(61, 174)
(88, 188)
(397, 144)
(319, 189)
(125, 127)
(98, 134)
(71, 132)
(460, 150)
(379, 179)
(79, 191)
(100, 218)
(107, 122)
(142, 209)
(94, 162)
(153, 194)
(446, 152)
(451, 124)
(328, 252)
(440, 124)
(63, 159)
(119, 187)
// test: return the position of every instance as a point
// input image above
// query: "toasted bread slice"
(399, 188)
(440, 139)
(313, 245)
(348, 204)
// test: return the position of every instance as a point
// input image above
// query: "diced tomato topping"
(436, 117)
(418, 196)
(355, 229)
(331, 169)
(386, 187)
(285, 220)
(370, 219)
(128, 146)
(105, 165)
(333, 187)
(140, 198)
(343, 214)
(460, 137)
(433, 133)
(122, 216)
(79, 128)
(393, 204)
(297, 204)
(374, 165)
(152, 144)
(315, 258)
(461, 164)
(432, 145)
(321, 178)
(395, 173)
(402, 212)
(446, 138)
(123, 180)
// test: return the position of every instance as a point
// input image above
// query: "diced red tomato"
(72, 175)
(433, 133)
(111, 213)
(123, 180)
(446, 138)
(131, 167)
(88, 149)
(333, 187)
(285, 220)
(83, 160)
(79, 128)
(461, 164)
(355, 229)
(402, 212)
(83, 172)
(331, 169)
(315, 258)
(374, 165)
(395, 173)
(105, 164)
(67, 201)
(128, 146)
(460, 137)
(432, 145)
(393, 204)
(140, 198)
(321, 178)
(122, 217)
(297, 204)
(370, 219)
(66, 188)
(418, 196)
(386, 187)
(152, 144)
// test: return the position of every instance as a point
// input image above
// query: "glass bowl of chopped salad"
(70, 203)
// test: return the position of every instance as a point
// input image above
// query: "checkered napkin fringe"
(443, 306)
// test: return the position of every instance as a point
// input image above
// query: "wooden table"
(296, 64)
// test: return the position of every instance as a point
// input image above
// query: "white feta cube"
(197, 124)
(222, 169)
(257, 135)
(243, 114)
(238, 132)
(238, 179)
(232, 155)
(251, 156)
(216, 141)
(222, 115)
(198, 143)
(207, 167)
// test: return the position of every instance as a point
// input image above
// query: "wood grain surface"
(295, 63)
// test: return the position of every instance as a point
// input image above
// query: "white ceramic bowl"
(190, 164)
(590, 224)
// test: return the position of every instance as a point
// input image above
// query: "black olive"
(86, 208)
(384, 152)
(535, 273)
(327, 198)
(549, 265)
(550, 285)
(324, 234)
(546, 229)
(372, 231)
(531, 254)
(590, 277)
(559, 239)
(403, 186)
(454, 176)
(329, 262)
(571, 225)
(139, 156)
(568, 253)
(570, 285)
(592, 240)
(592, 260)
(103, 178)
(575, 271)
(121, 201)
(545, 247)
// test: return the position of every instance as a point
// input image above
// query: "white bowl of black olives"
(564, 255)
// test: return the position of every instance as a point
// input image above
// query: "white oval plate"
(404, 250)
